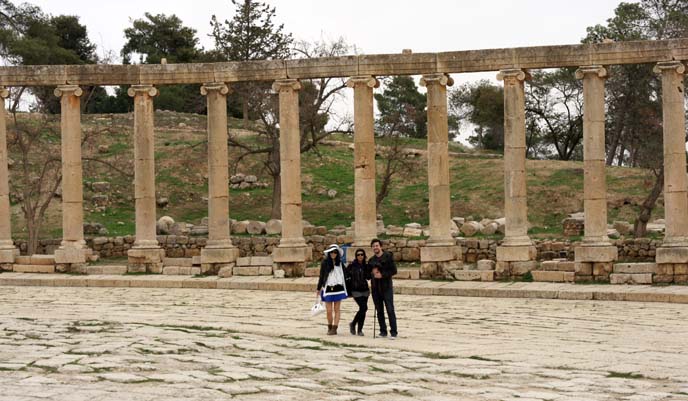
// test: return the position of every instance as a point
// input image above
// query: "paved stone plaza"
(164, 344)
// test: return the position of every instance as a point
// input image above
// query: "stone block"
(440, 253)
(486, 264)
(667, 269)
(583, 269)
(22, 260)
(403, 274)
(583, 278)
(680, 268)
(8, 255)
(312, 272)
(602, 269)
(428, 270)
(292, 254)
(114, 269)
(516, 253)
(261, 261)
(265, 270)
(468, 275)
(171, 270)
(633, 268)
(681, 278)
(219, 255)
(412, 232)
(188, 262)
(487, 275)
(663, 278)
(671, 255)
(628, 278)
(520, 268)
(296, 269)
(278, 273)
(226, 271)
(596, 253)
(42, 260)
(548, 275)
(407, 254)
(33, 268)
(145, 255)
(246, 271)
(68, 255)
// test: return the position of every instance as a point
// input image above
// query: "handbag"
(317, 307)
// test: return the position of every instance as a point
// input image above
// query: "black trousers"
(359, 319)
(385, 298)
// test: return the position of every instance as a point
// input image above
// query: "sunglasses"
(360, 254)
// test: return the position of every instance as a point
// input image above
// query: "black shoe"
(382, 334)
(352, 329)
(360, 333)
(393, 337)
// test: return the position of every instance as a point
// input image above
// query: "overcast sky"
(373, 26)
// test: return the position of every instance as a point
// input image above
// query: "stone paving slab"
(102, 344)
(538, 290)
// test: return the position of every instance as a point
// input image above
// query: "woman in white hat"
(331, 285)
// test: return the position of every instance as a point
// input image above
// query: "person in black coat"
(359, 271)
(383, 269)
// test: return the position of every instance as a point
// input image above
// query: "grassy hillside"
(555, 188)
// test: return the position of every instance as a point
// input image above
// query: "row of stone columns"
(146, 255)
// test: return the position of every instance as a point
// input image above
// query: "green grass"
(625, 375)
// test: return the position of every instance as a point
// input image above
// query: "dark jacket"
(360, 274)
(384, 263)
(326, 266)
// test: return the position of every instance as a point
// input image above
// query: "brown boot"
(329, 329)
(334, 330)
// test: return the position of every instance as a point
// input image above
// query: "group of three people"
(337, 282)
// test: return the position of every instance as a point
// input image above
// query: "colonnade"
(146, 254)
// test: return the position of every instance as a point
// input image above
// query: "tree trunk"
(640, 226)
(32, 241)
(244, 105)
(385, 186)
(276, 212)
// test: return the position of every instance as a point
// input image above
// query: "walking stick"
(374, 316)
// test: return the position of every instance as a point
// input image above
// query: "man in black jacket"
(383, 268)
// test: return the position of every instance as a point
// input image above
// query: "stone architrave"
(365, 227)
(292, 247)
(73, 247)
(516, 246)
(146, 249)
(7, 249)
(596, 246)
(219, 249)
(440, 246)
(674, 248)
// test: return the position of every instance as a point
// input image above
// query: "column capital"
(441, 79)
(368, 80)
(149, 90)
(662, 66)
(68, 90)
(511, 74)
(4, 92)
(286, 85)
(591, 69)
(214, 86)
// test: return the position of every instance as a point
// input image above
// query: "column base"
(516, 253)
(145, 260)
(289, 254)
(671, 254)
(8, 255)
(74, 253)
(214, 259)
(439, 261)
(594, 254)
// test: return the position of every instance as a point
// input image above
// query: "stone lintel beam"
(537, 57)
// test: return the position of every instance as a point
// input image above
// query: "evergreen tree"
(402, 106)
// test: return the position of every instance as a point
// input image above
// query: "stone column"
(674, 249)
(292, 247)
(146, 254)
(219, 251)
(7, 249)
(516, 246)
(440, 247)
(596, 246)
(365, 226)
(73, 247)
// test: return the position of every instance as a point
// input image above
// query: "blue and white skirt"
(333, 293)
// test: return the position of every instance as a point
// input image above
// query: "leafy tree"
(160, 36)
(482, 105)
(403, 107)
(153, 38)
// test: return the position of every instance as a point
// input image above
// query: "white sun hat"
(333, 247)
